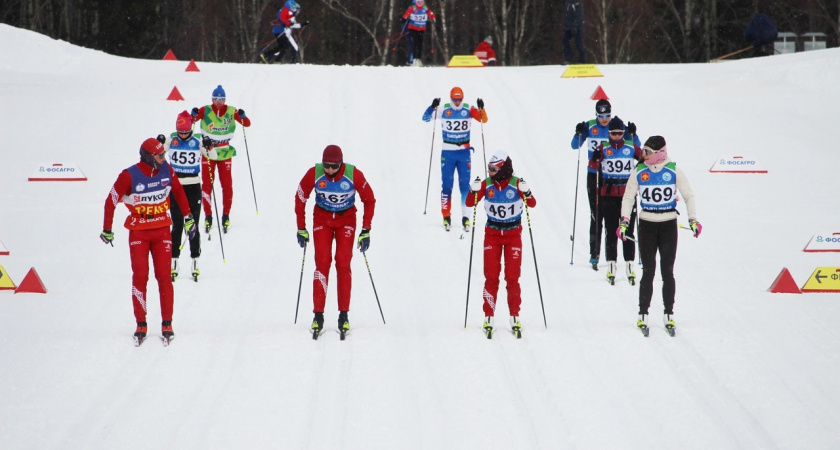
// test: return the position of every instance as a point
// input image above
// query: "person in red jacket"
(414, 19)
(336, 186)
(506, 197)
(485, 53)
(145, 188)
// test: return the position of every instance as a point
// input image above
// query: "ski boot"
(175, 269)
(631, 274)
(140, 334)
(418, 63)
(447, 223)
(343, 324)
(594, 262)
(262, 57)
(317, 325)
(488, 327)
(611, 273)
(225, 222)
(641, 324)
(516, 327)
(166, 332)
(466, 223)
(195, 271)
(670, 326)
(208, 223)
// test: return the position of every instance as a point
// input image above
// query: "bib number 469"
(657, 194)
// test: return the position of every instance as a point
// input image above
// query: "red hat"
(152, 146)
(456, 93)
(332, 154)
(184, 122)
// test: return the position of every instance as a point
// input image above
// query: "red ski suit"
(148, 233)
(327, 226)
(208, 168)
(498, 242)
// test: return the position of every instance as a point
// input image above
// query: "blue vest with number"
(617, 164)
(334, 195)
(657, 190)
(185, 156)
(503, 207)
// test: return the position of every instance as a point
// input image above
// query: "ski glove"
(435, 103)
(597, 155)
(161, 138)
(241, 113)
(523, 188)
(206, 142)
(695, 227)
(475, 186)
(622, 228)
(582, 129)
(189, 225)
(364, 240)
(302, 237)
(480, 103)
(631, 128)
(194, 113)
(107, 237)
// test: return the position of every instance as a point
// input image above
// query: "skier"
(336, 186)
(145, 189)
(416, 17)
(485, 53)
(593, 133)
(218, 122)
(616, 159)
(282, 28)
(506, 195)
(657, 181)
(455, 153)
(573, 28)
(185, 159)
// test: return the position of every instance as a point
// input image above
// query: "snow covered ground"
(747, 369)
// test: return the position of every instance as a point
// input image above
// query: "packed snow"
(747, 368)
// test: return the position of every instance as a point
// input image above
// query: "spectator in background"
(485, 53)
(573, 27)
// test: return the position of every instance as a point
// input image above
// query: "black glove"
(304, 24)
(435, 103)
(597, 155)
(631, 128)
(161, 138)
(241, 113)
(194, 113)
(402, 19)
(480, 103)
(206, 142)
(364, 240)
(302, 237)
(582, 129)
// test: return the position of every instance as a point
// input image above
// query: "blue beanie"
(219, 92)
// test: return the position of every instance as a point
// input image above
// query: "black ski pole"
(534, 251)
(248, 155)
(300, 283)
(218, 223)
(574, 216)
(469, 273)
(431, 153)
(374, 288)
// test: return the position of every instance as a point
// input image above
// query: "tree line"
(367, 32)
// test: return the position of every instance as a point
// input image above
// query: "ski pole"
(218, 223)
(537, 269)
(431, 153)
(300, 283)
(374, 288)
(244, 136)
(574, 216)
(469, 273)
(483, 150)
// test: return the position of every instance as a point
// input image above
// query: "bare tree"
(373, 15)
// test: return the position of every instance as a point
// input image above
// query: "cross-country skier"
(617, 160)
(455, 121)
(505, 197)
(417, 16)
(185, 158)
(336, 186)
(145, 188)
(282, 27)
(591, 134)
(657, 181)
(218, 122)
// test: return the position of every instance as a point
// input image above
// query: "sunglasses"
(219, 98)
(457, 100)
(604, 116)
(616, 133)
(492, 169)
(335, 166)
(649, 151)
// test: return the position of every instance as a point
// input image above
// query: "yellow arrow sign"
(5, 281)
(464, 61)
(824, 279)
(582, 71)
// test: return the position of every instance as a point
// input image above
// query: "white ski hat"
(499, 158)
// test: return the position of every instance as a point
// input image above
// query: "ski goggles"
(649, 151)
(331, 166)
(616, 133)
(604, 116)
